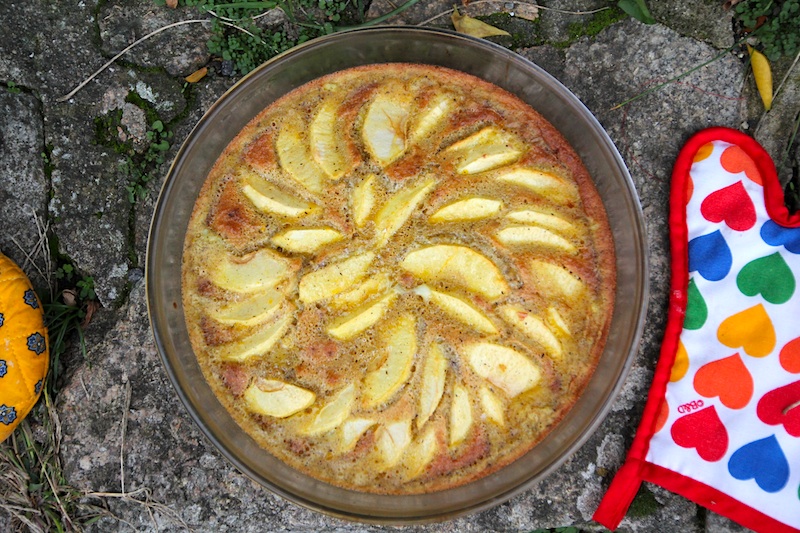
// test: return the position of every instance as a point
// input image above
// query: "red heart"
(704, 431)
(732, 205)
(727, 378)
(776, 407)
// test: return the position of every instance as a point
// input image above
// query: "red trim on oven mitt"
(722, 421)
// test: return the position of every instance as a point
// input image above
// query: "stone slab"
(84, 202)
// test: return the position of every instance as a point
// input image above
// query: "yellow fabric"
(24, 347)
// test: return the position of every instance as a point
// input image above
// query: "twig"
(85, 390)
(479, 2)
(122, 443)
(229, 22)
(146, 501)
(676, 78)
(382, 18)
(788, 72)
(111, 61)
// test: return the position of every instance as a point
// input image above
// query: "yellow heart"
(681, 364)
(751, 330)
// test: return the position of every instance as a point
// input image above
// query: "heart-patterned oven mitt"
(722, 421)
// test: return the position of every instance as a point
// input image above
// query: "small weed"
(12, 88)
(238, 38)
(777, 24)
(139, 165)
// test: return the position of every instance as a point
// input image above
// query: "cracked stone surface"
(81, 194)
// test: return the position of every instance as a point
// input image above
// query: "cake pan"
(380, 45)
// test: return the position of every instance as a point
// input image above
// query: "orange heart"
(681, 364)
(790, 356)
(751, 330)
(663, 415)
(736, 160)
(727, 378)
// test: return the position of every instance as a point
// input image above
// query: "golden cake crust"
(398, 278)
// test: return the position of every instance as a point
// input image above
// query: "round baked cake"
(398, 278)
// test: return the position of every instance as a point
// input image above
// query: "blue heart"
(710, 256)
(762, 460)
(776, 235)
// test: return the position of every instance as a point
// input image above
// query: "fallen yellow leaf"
(474, 27)
(197, 75)
(763, 76)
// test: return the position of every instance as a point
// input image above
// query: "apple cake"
(398, 278)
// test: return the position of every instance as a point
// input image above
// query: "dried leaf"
(91, 307)
(474, 27)
(197, 75)
(70, 297)
(526, 11)
(172, 3)
(762, 74)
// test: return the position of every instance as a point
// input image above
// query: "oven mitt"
(722, 421)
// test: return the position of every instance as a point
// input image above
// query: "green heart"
(769, 276)
(696, 308)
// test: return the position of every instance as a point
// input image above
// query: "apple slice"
(467, 210)
(459, 265)
(545, 220)
(391, 440)
(326, 146)
(256, 271)
(259, 343)
(542, 183)
(271, 397)
(270, 199)
(385, 125)
(485, 150)
(504, 367)
(347, 327)
(334, 413)
(431, 117)
(432, 387)
(294, 156)
(557, 322)
(460, 415)
(335, 278)
(401, 347)
(379, 283)
(534, 236)
(534, 328)
(249, 311)
(396, 211)
(463, 311)
(363, 197)
(555, 281)
(420, 454)
(351, 431)
(307, 240)
(492, 406)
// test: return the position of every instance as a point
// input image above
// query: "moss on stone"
(524, 33)
(593, 26)
(106, 132)
(644, 504)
